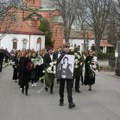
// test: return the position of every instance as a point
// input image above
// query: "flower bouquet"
(37, 61)
(49, 74)
(78, 60)
(94, 67)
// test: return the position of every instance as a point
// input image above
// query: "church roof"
(21, 27)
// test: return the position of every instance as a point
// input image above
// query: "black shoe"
(41, 80)
(90, 89)
(26, 94)
(71, 105)
(51, 92)
(22, 91)
(46, 89)
(78, 91)
(61, 104)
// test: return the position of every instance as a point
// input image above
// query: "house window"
(14, 44)
(39, 44)
(24, 44)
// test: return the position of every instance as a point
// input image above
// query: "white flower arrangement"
(72, 49)
(37, 61)
(77, 59)
(94, 65)
(77, 55)
(12, 63)
(52, 68)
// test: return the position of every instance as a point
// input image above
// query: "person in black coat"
(25, 73)
(58, 53)
(63, 80)
(15, 67)
(89, 80)
(49, 57)
(21, 68)
(1, 59)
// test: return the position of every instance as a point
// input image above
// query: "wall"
(7, 41)
(80, 42)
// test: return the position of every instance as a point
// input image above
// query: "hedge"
(105, 56)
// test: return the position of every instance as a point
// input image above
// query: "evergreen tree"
(45, 27)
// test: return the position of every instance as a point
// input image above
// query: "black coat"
(15, 68)
(88, 79)
(24, 71)
(1, 56)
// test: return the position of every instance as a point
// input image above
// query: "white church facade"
(30, 38)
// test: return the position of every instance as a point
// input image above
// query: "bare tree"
(115, 17)
(68, 9)
(97, 14)
(81, 18)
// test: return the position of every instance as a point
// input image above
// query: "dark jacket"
(47, 59)
(1, 56)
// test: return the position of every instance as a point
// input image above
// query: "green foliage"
(106, 56)
(45, 27)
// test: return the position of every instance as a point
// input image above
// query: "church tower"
(33, 3)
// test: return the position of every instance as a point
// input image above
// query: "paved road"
(103, 103)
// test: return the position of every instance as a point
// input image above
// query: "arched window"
(24, 43)
(39, 43)
(14, 43)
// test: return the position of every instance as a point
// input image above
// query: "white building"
(22, 36)
(77, 38)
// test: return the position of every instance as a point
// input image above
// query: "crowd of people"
(31, 66)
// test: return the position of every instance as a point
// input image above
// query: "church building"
(24, 32)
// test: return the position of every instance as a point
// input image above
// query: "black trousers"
(77, 76)
(1, 66)
(69, 89)
(77, 84)
(51, 88)
(26, 88)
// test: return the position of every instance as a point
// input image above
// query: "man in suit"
(1, 59)
(78, 70)
(50, 56)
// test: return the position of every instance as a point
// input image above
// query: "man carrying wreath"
(49, 57)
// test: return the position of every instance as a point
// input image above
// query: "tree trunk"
(97, 44)
(67, 36)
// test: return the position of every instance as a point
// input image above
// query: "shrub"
(106, 56)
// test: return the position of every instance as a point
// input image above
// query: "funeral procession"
(59, 59)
